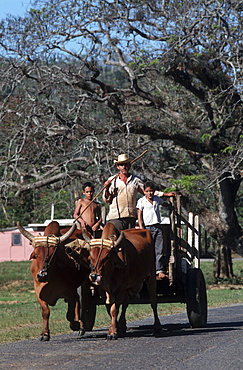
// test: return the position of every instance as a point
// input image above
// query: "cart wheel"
(196, 298)
(88, 317)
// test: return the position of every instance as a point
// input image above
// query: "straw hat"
(122, 159)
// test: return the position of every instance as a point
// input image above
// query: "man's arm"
(106, 193)
(140, 187)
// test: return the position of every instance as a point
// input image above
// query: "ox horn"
(24, 232)
(119, 239)
(68, 233)
(86, 236)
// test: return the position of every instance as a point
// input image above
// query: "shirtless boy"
(91, 219)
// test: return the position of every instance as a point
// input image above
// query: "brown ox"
(55, 274)
(120, 268)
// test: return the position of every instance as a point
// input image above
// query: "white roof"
(70, 221)
(62, 222)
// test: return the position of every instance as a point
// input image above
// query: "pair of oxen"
(118, 262)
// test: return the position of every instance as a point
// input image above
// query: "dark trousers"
(124, 223)
(161, 259)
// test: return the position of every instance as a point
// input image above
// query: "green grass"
(223, 292)
(21, 314)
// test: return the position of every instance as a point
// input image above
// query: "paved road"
(218, 346)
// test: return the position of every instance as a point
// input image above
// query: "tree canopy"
(83, 81)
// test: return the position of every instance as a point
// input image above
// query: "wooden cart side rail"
(180, 248)
(187, 223)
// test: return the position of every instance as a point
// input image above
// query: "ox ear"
(32, 256)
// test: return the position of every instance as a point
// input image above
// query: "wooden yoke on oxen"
(76, 245)
(77, 250)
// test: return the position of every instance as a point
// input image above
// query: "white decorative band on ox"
(45, 241)
(102, 243)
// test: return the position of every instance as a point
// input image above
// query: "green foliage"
(17, 209)
(61, 199)
(205, 137)
(228, 149)
(154, 62)
(34, 206)
(173, 39)
(190, 183)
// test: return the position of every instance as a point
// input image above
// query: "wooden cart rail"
(185, 240)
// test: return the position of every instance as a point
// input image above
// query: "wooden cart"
(185, 282)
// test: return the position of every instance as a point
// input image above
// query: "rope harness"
(46, 242)
(107, 243)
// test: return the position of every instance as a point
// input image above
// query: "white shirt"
(151, 213)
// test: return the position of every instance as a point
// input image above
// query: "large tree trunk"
(224, 227)
(231, 231)
(222, 266)
(230, 236)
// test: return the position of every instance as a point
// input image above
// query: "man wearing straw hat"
(120, 192)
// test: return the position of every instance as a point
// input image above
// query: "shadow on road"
(175, 329)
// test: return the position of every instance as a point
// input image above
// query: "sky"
(15, 7)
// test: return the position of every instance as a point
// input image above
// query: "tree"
(165, 75)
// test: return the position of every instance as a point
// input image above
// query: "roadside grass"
(21, 314)
(222, 292)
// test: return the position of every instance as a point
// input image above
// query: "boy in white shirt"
(149, 218)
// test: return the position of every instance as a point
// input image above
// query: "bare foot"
(161, 275)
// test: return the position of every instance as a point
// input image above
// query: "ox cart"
(185, 282)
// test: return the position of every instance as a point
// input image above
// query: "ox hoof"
(44, 337)
(81, 332)
(75, 325)
(112, 336)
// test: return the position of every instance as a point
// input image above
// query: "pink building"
(15, 247)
